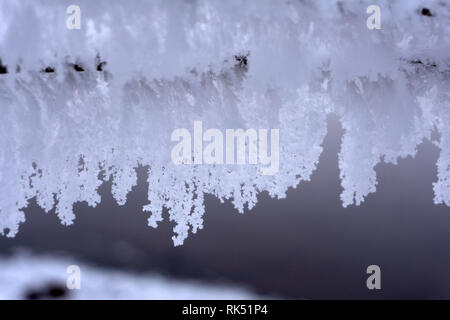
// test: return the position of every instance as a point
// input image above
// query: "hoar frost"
(79, 107)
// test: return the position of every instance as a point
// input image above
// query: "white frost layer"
(24, 273)
(170, 63)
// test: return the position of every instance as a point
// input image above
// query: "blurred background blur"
(303, 247)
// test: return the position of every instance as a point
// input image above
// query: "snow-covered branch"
(79, 107)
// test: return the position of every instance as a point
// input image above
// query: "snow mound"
(45, 277)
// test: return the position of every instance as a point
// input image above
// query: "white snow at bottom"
(24, 273)
(170, 63)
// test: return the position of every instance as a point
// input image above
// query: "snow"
(170, 63)
(24, 276)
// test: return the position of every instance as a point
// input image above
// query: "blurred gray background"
(304, 246)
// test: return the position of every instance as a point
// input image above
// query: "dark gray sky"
(304, 246)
